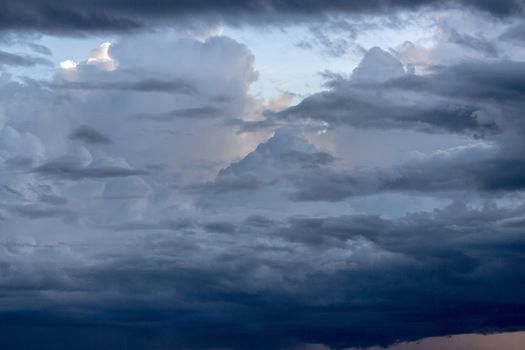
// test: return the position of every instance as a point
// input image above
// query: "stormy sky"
(263, 174)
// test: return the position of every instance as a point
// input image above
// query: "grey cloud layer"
(125, 15)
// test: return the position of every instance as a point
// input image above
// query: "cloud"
(16, 60)
(380, 95)
(478, 169)
(253, 126)
(145, 85)
(173, 225)
(41, 49)
(220, 227)
(323, 38)
(188, 234)
(288, 164)
(228, 184)
(108, 186)
(499, 81)
(339, 281)
(468, 41)
(195, 112)
(514, 33)
(89, 136)
(378, 65)
(286, 149)
(53, 16)
(44, 212)
(70, 170)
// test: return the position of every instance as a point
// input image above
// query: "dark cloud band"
(99, 15)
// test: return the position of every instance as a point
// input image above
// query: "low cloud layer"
(340, 274)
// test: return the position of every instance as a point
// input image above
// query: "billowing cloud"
(153, 195)
(381, 95)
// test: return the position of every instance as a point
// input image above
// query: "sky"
(268, 174)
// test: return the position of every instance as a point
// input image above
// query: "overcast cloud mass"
(262, 174)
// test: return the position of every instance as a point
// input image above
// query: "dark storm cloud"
(69, 170)
(495, 174)
(96, 15)
(500, 81)
(16, 60)
(90, 136)
(344, 281)
(480, 99)
(368, 110)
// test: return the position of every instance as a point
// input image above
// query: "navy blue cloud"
(435, 274)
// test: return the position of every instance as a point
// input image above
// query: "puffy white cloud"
(101, 57)
(68, 65)
(137, 169)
